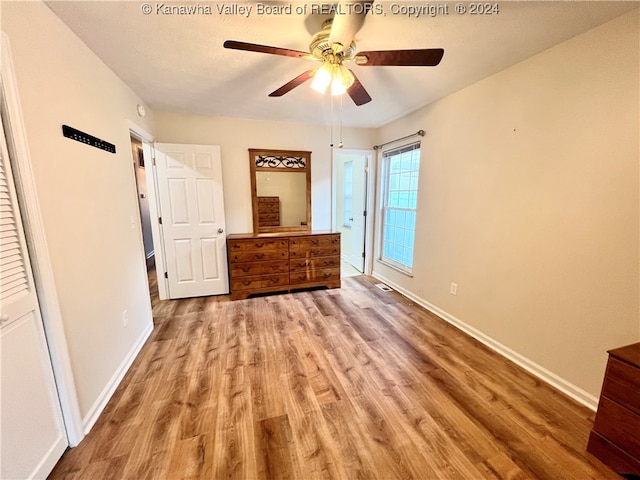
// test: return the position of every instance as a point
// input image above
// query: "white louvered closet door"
(32, 430)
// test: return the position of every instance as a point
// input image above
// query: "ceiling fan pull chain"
(340, 144)
(331, 100)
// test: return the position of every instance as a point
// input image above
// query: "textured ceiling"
(176, 62)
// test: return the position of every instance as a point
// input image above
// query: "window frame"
(409, 198)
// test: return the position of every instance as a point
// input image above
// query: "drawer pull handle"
(259, 256)
(327, 275)
(315, 252)
(315, 242)
(246, 283)
(259, 245)
(245, 269)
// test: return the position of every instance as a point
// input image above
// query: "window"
(400, 198)
(347, 193)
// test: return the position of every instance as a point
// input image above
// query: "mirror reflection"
(281, 198)
(280, 190)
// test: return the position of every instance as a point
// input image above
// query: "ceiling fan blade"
(427, 57)
(357, 92)
(346, 24)
(287, 87)
(252, 47)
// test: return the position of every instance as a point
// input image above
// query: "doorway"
(352, 182)
(140, 169)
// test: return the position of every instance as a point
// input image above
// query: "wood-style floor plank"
(349, 383)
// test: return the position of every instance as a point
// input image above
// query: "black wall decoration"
(87, 139)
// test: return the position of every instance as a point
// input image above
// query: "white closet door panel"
(32, 437)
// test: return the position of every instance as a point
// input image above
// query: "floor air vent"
(383, 287)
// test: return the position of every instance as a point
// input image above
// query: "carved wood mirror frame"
(277, 162)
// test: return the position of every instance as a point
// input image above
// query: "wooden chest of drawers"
(269, 211)
(615, 438)
(282, 262)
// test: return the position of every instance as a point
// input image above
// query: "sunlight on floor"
(348, 270)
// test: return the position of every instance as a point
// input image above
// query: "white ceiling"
(177, 62)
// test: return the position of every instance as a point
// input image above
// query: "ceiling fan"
(326, 47)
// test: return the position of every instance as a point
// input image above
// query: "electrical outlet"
(125, 318)
(454, 289)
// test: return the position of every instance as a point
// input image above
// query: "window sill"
(396, 268)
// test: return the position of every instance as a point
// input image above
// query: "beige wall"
(87, 196)
(529, 202)
(235, 136)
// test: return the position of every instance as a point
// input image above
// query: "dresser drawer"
(258, 268)
(315, 241)
(312, 276)
(314, 252)
(268, 217)
(257, 256)
(253, 250)
(262, 281)
(258, 244)
(622, 384)
(269, 207)
(618, 425)
(262, 200)
(314, 263)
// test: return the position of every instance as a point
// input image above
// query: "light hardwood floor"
(350, 383)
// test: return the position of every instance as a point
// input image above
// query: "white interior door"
(31, 424)
(191, 206)
(351, 196)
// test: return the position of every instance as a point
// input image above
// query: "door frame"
(38, 249)
(369, 201)
(148, 152)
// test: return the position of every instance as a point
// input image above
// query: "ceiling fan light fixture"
(333, 75)
(322, 78)
(342, 80)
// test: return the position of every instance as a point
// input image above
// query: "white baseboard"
(566, 387)
(49, 460)
(92, 416)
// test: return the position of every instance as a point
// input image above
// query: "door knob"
(220, 230)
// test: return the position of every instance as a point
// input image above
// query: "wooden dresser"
(269, 211)
(266, 263)
(615, 438)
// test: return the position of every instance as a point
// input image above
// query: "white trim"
(45, 467)
(41, 262)
(148, 150)
(98, 406)
(155, 214)
(566, 387)
(140, 133)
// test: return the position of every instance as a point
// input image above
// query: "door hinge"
(166, 275)
(160, 220)
(153, 161)
(364, 214)
(363, 255)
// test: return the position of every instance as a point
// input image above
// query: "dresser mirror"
(280, 190)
